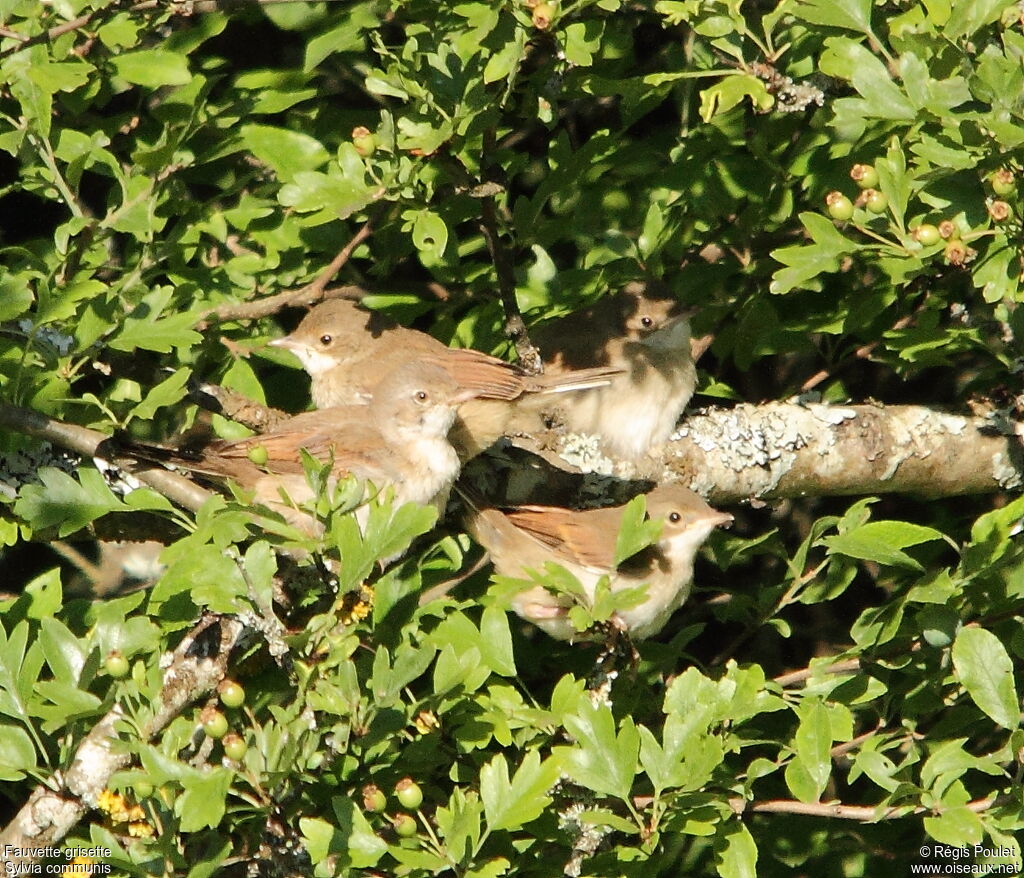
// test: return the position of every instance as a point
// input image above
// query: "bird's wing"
(475, 370)
(353, 448)
(584, 537)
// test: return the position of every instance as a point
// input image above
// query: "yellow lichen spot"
(140, 829)
(354, 606)
(114, 804)
(78, 867)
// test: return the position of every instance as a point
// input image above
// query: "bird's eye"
(325, 340)
(421, 396)
(646, 322)
(675, 517)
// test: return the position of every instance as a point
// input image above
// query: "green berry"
(865, 176)
(408, 792)
(926, 235)
(1003, 182)
(257, 454)
(405, 825)
(116, 665)
(839, 206)
(875, 201)
(214, 723)
(374, 799)
(231, 694)
(235, 747)
(143, 789)
(364, 140)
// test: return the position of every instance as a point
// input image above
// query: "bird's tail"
(578, 379)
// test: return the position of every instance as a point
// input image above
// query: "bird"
(348, 350)
(399, 440)
(524, 539)
(643, 332)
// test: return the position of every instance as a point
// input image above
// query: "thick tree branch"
(84, 441)
(779, 450)
(193, 671)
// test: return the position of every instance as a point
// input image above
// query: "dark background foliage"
(166, 160)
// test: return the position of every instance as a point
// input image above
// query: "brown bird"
(400, 439)
(644, 333)
(348, 350)
(524, 539)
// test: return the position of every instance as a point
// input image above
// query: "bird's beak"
(720, 519)
(286, 342)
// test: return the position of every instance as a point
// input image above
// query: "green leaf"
(204, 797)
(429, 232)
(152, 68)
(63, 502)
(63, 651)
(208, 576)
(847, 14)
(45, 594)
(736, 852)
(582, 40)
(362, 846)
(496, 642)
(812, 745)
(986, 671)
(636, 532)
(966, 19)
(504, 63)
(145, 328)
(994, 272)
(601, 760)
(17, 754)
(213, 857)
(15, 296)
(168, 392)
(287, 152)
(883, 542)
(724, 95)
(510, 805)
(957, 825)
(806, 262)
(336, 196)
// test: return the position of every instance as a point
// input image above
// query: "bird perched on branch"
(525, 538)
(400, 439)
(645, 334)
(348, 350)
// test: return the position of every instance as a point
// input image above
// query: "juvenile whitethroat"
(643, 333)
(348, 350)
(399, 439)
(526, 538)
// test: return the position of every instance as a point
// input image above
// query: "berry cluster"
(956, 249)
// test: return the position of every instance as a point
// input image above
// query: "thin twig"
(862, 353)
(847, 666)
(310, 294)
(515, 327)
(237, 407)
(861, 813)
